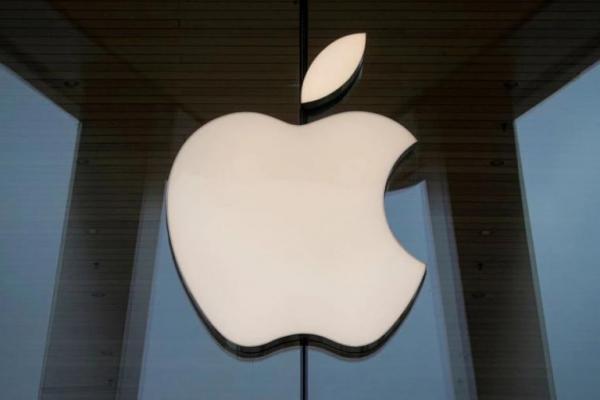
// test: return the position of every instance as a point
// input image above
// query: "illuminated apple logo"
(279, 231)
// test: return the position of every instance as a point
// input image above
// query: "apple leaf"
(333, 68)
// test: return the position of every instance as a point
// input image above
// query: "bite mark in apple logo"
(279, 231)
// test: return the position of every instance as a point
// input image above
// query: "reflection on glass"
(37, 144)
(559, 141)
(183, 361)
(414, 364)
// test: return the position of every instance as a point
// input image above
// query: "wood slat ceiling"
(143, 75)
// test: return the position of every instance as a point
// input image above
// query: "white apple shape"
(279, 231)
(333, 68)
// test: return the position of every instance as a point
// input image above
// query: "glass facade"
(499, 197)
(558, 143)
(37, 148)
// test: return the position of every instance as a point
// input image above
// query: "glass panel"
(559, 142)
(141, 76)
(37, 144)
(414, 364)
(183, 361)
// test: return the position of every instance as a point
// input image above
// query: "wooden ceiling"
(143, 75)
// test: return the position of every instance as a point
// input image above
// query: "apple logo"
(279, 231)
